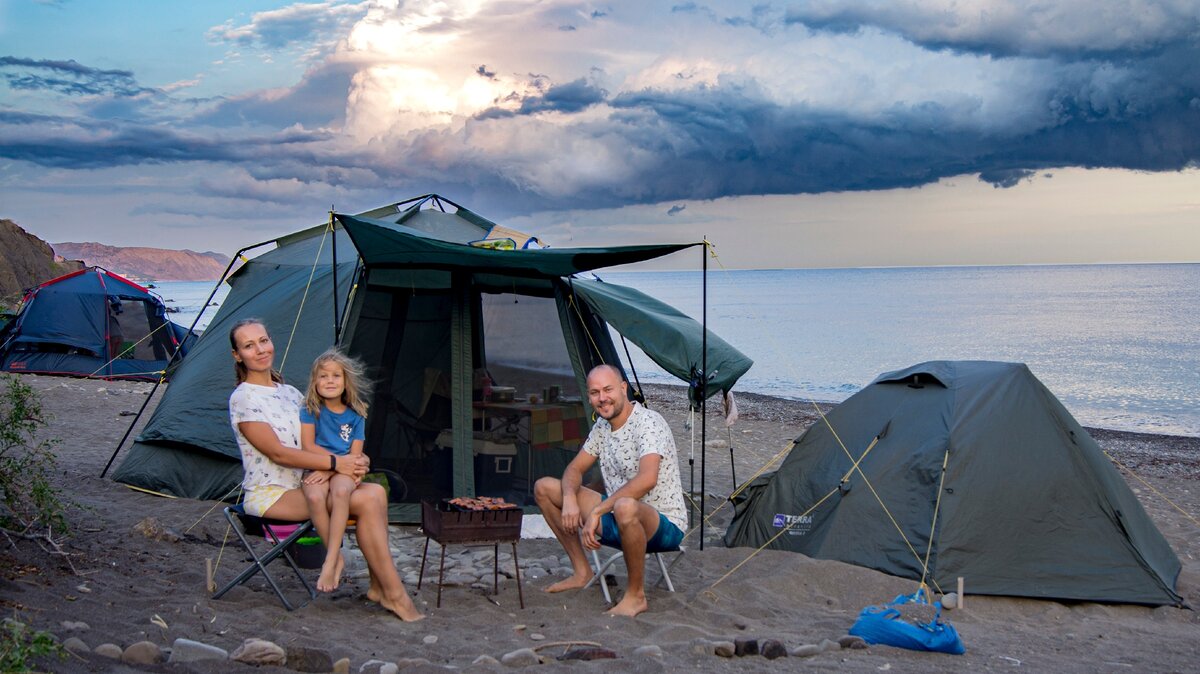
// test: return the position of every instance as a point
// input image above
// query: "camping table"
(557, 425)
(472, 527)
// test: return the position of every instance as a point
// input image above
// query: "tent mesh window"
(525, 354)
(135, 330)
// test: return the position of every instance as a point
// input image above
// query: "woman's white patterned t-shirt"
(278, 406)
(620, 451)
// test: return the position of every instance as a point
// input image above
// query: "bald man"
(643, 509)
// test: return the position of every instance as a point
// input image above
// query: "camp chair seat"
(244, 525)
(601, 569)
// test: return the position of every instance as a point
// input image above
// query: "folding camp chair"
(601, 569)
(248, 525)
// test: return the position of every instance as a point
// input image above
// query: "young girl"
(331, 422)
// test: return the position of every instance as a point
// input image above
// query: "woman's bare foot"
(629, 606)
(575, 582)
(374, 592)
(402, 606)
(331, 574)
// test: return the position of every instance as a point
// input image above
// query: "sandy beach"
(126, 586)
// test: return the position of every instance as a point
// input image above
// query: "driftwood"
(43, 540)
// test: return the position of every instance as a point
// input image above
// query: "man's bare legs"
(637, 523)
(548, 494)
(368, 504)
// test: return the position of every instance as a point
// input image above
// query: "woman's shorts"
(259, 500)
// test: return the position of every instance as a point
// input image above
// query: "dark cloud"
(678, 208)
(1013, 27)
(483, 72)
(570, 97)
(318, 100)
(68, 78)
(567, 28)
(1001, 178)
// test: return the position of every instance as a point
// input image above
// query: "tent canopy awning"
(669, 337)
(384, 244)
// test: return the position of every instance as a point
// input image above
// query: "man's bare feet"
(403, 607)
(331, 575)
(575, 582)
(629, 606)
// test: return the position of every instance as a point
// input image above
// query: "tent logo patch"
(797, 525)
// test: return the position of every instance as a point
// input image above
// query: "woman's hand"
(318, 477)
(354, 466)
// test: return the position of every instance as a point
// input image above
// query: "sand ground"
(123, 580)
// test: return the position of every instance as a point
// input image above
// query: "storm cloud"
(781, 99)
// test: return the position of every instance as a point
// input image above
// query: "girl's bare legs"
(368, 504)
(340, 488)
(317, 497)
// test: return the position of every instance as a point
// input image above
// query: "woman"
(265, 414)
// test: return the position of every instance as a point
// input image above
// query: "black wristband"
(333, 462)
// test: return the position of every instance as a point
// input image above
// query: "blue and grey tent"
(92, 323)
(968, 469)
(433, 317)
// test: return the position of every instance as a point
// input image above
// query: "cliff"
(25, 261)
(148, 264)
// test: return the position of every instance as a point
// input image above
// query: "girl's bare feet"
(331, 574)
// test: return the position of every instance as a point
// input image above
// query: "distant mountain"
(148, 264)
(26, 261)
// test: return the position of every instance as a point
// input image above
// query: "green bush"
(19, 644)
(29, 501)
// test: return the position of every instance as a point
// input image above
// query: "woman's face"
(254, 348)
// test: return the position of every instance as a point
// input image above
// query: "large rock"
(142, 653)
(186, 650)
(303, 659)
(259, 652)
(25, 261)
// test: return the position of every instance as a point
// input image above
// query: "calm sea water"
(1116, 343)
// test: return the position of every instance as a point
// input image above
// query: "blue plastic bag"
(884, 625)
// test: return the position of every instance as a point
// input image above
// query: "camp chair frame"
(279, 549)
(601, 569)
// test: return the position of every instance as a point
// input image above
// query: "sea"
(1118, 344)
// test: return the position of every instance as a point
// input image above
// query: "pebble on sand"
(648, 651)
(746, 646)
(75, 645)
(805, 651)
(725, 649)
(852, 642)
(142, 653)
(522, 657)
(186, 650)
(771, 649)
(109, 651)
(259, 652)
(304, 659)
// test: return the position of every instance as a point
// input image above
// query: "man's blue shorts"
(665, 539)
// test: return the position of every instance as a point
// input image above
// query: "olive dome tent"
(92, 323)
(1029, 504)
(435, 319)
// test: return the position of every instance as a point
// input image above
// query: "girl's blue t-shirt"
(335, 432)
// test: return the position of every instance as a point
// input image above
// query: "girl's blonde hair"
(355, 383)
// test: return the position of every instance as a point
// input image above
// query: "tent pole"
(191, 329)
(337, 324)
(703, 377)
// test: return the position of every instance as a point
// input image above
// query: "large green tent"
(433, 318)
(1028, 504)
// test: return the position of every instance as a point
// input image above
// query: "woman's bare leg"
(368, 504)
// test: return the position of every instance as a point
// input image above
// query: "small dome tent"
(968, 469)
(92, 323)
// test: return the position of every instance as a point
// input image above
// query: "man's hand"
(318, 477)
(571, 517)
(590, 540)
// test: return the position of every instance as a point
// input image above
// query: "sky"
(826, 133)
